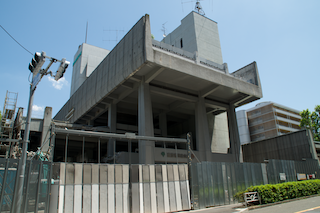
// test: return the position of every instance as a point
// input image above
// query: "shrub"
(271, 193)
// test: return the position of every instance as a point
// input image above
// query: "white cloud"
(37, 111)
(58, 84)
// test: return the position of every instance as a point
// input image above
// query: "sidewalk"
(239, 207)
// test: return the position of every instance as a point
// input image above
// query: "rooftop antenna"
(117, 32)
(164, 29)
(86, 33)
(198, 8)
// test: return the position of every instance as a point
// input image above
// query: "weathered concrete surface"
(183, 89)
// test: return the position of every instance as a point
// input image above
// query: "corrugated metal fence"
(290, 169)
(215, 183)
(119, 188)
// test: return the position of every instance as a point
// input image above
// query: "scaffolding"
(8, 113)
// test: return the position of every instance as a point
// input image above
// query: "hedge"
(271, 193)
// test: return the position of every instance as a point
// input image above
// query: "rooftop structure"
(165, 89)
(86, 59)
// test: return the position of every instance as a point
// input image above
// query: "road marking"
(309, 209)
(240, 210)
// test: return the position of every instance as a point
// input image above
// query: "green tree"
(311, 120)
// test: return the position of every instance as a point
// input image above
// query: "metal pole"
(66, 149)
(23, 159)
(129, 150)
(38, 185)
(175, 147)
(114, 151)
(4, 183)
(99, 151)
(190, 168)
(165, 151)
(83, 144)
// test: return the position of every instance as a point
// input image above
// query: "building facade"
(163, 89)
(267, 120)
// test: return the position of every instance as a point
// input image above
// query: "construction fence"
(83, 187)
(216, 183)
(37, 182)
(119, 188)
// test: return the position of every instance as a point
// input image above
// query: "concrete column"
(112, 123)
(203, 141)
(163, 124)
(46, 129)
(235, 147)
(145, 122)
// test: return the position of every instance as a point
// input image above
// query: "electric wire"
(15, 40)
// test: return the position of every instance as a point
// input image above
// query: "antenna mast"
(198, 8)
(86, 33)
(164, 30)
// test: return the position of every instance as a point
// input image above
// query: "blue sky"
(281, 36)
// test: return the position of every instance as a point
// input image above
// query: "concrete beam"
(136, 78)
(126, 93)
(113, 96)
(127, 85)
(242, 99)
(152, 74)
(173, 94)
(216, 104)
(207, 91)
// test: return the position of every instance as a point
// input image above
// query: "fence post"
(190, 167)
(38, 186)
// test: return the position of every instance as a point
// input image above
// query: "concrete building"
(266, 120)
(165, 89)
(86, 59)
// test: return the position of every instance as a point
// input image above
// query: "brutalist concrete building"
(164, 89)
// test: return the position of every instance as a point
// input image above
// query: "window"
(181, 43)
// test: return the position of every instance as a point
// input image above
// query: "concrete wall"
(120, 64)
(197, 33)
(243, 127)
(249, 74)
(86, 59)
(219, 131)
(292, 146)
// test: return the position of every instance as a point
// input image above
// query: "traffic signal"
(62, 68)
(37, 62)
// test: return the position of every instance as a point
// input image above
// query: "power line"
(15, 40)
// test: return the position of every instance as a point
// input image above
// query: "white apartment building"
(266, 120)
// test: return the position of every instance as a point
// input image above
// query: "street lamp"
(37, 73)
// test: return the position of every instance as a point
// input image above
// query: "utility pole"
(35, 67)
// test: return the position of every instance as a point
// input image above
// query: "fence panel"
(35, 194)
(106, 188)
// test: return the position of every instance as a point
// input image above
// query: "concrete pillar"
(112, 123)
(203, 141)
(235, 147)
(47, 117)
(163, 124)
(145, 122)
